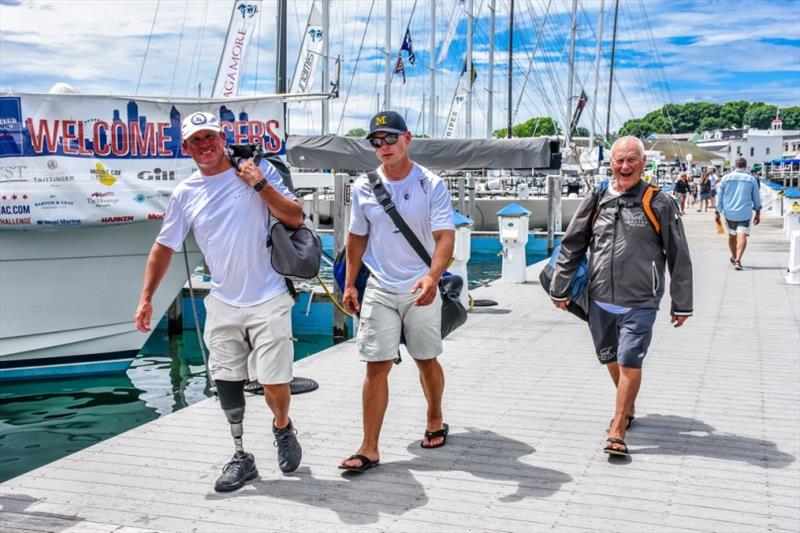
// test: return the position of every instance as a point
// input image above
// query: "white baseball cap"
(199, 121)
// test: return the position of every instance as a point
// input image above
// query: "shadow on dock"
(392, 488)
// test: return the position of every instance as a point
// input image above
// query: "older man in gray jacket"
(632, 237)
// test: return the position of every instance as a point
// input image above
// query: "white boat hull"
(69, 297)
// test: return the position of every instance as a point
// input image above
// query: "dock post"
(553, 210)
(462, 201)
(175, 316)
(342, 196)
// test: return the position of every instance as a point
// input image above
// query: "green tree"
(534, 127)
(640, 128)
(791, 117)
(711, 123)
(356, 132)
(732, 113)
(760, 115)
(580, 131)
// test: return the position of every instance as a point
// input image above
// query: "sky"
(666, 52)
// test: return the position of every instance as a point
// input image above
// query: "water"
(45, 420)
(41, 421)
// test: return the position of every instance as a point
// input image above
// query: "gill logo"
(381, 120)
(104, 176)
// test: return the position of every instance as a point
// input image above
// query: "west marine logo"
(104, 176)
(381, 120)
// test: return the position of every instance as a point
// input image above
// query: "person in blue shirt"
(738, 198)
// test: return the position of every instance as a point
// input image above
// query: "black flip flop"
(366, 463)
(430, 435)
(610, 450)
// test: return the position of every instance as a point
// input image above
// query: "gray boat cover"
(355, 154)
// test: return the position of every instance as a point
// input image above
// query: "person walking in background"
(681, 190)
(692, 191)
(712, 177)
(402, 296)
(738, 198)
(705, 192)
(629, 253)
(248, 326)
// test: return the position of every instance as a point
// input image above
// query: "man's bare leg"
(278, 398)
(431, 377)
(613, 371)
(741, 244)
(630, 380)
(732, 245)
(374, 400)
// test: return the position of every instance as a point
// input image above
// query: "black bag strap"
(388, 205)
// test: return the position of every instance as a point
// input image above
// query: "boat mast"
(280, 63)
(470, 23)
(325, 66)
(570, 76)
(432, 67)
(490, 74)
(510, 64)
(597, 52)
(611, 70)
(387, 83)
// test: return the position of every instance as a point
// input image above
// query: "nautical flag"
(474, 71)
(310, 52)
(241, 28)
(408, 48)
(578, 110)
(399, 69)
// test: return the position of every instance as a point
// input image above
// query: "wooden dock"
(715, 444)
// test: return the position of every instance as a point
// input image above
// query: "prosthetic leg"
(242, 466)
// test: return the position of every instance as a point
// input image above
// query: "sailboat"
(85, 183)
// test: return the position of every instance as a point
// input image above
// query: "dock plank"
(715, 444)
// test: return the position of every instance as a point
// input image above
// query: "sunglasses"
(377, 142)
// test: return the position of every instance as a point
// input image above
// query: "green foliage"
(534, 127)
(704, 116)
(580, 131)
(356, 132)
(760, 115)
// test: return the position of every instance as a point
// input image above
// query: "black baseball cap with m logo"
(387, 121)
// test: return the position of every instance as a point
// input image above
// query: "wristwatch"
(260, 185)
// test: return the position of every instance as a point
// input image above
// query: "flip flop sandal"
(430, 435)
(610, 450)
(366, 463)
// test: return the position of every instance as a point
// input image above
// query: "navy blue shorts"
(623, 338)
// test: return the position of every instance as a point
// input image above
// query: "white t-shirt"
(424, 203)
(230, 222)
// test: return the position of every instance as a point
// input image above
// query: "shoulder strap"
(388, 205)
(601, 190)
(647, 199)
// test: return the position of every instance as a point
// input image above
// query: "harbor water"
(41, 421)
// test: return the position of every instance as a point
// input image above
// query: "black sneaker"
(234, 474)
(289, 450)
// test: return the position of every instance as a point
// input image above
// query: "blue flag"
(407, 46)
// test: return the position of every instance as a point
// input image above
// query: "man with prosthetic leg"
(248, 311)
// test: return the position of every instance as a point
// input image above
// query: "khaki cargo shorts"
(384, 315)
(250, 342)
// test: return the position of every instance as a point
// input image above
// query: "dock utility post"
(175, 316)
(461, 253)
(512, 221)
(342, 198)
(553, 210)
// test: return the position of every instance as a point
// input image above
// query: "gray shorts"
(623, 338)
(250, 342)
(385, 314)
(738, 226)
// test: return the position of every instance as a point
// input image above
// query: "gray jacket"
(627, 257)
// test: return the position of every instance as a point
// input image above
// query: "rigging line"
(658, 58)
(147, 49)
(533, 57)
(193, 57)
(258, 50)
(355, 68)
(399, 52)
(180, 42)
(550, 50)
(203, 23)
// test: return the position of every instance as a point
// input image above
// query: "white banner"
(455, 109)
(76, 160)
(455, 18)
(226, 84)
(310, 52)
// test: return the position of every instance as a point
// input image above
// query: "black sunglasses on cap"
(377, 142)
